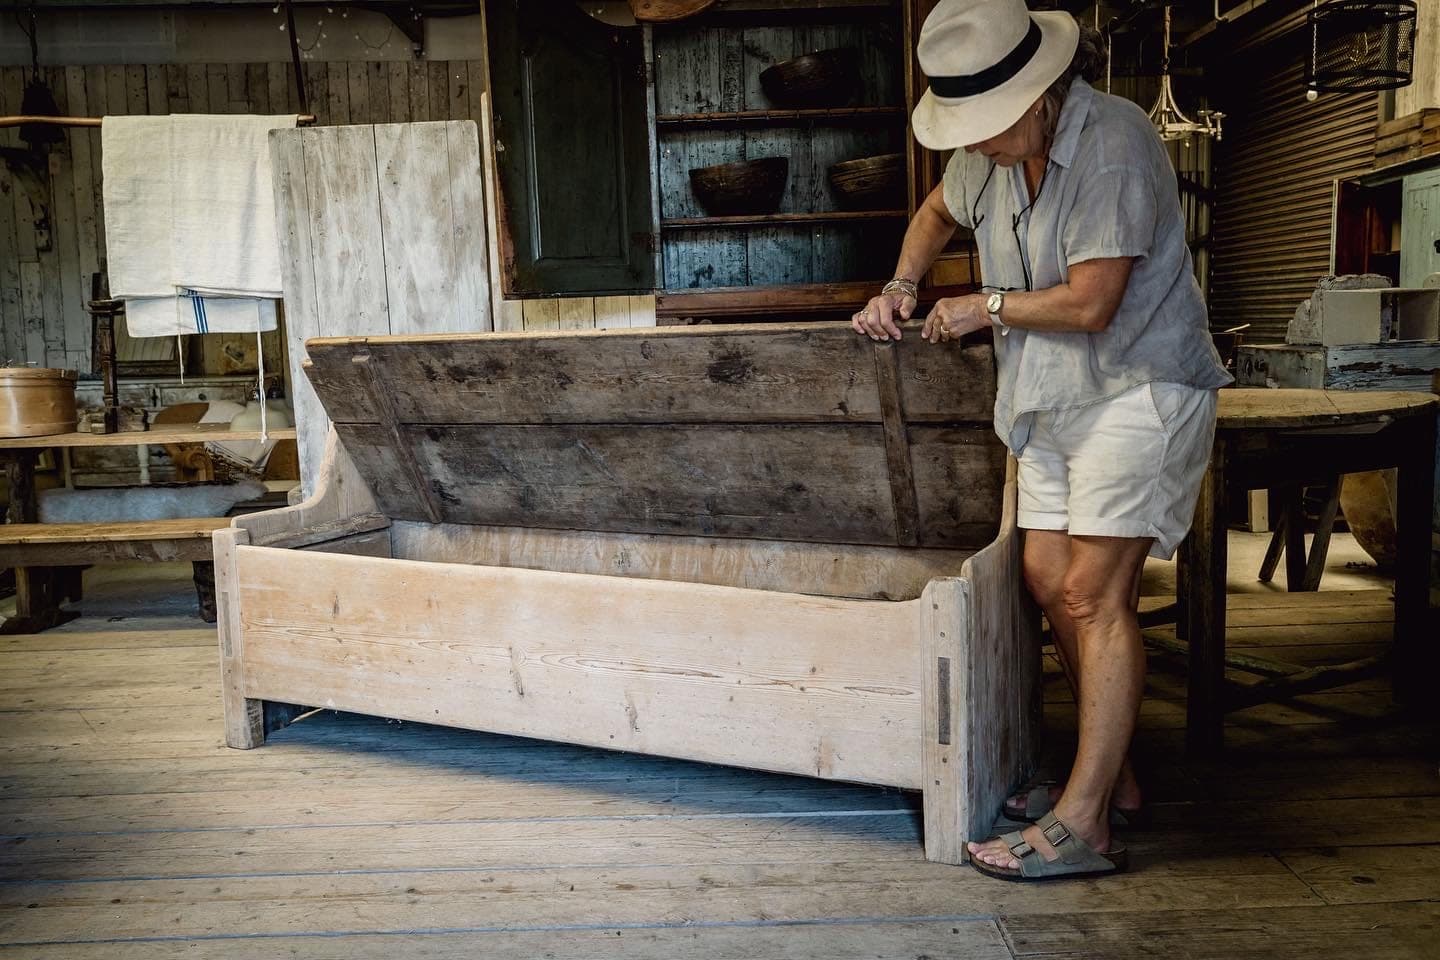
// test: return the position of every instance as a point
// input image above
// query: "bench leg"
(981, 699)
(38, 594)
(244, 717)
(946, 786)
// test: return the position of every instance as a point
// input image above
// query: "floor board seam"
(556, 928)
(761, 815)
(409, 871)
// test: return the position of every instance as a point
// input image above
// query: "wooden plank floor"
(128, 830)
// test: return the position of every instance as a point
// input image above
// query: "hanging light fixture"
(1170, 122)
(1357, 46)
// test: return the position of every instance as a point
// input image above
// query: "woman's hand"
(953, 317)
(880, 319)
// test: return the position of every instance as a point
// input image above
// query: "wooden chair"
(1302, 571)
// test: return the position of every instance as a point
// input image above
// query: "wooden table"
(1265, 438)
(40, 589)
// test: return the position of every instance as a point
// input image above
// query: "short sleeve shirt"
(1109, 191)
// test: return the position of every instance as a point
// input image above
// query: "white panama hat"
(987, 61)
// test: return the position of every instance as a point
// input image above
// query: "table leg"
(1416, 654)
(37, 589)
(1205, 612)
(1294, 537)
(1324, 527)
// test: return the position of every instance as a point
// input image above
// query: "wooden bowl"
(666, 11)
(830, 78)
(748, 187)
(870, 183)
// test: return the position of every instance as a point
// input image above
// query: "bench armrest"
(341, 505)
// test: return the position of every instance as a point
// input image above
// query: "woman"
(1107, 374)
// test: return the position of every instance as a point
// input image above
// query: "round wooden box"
(36, 401)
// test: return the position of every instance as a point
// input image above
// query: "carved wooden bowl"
(749, 187)
(666, 11)
(870, 183)
(830, 78)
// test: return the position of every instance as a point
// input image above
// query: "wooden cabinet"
(813, 257)
(711, 109)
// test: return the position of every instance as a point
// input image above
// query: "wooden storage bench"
(786, 548)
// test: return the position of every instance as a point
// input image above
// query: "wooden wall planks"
(52, 227)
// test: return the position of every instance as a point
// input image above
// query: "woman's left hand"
(953, 317)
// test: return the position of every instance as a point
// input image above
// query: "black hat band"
(991, 77)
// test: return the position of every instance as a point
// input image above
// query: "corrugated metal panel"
(1274, 176)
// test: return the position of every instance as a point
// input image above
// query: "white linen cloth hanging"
(190, 222)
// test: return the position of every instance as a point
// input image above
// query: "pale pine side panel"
(999, 716)
(346, 230)
(805, 685)
(419, 226)
(467, 201)
(297, 268)
(378, 233)
(432, 209)
(348, 254)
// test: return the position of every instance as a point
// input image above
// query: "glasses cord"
(1015, 222)
(977, 218)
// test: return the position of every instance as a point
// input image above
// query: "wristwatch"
(993, 305)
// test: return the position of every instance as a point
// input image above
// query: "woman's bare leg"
(1096, 599)
(1046, 559)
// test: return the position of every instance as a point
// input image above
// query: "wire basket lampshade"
(1361, 45)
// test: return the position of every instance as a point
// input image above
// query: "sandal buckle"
(1055, 833)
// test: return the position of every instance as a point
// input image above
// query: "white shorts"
(1130, 466)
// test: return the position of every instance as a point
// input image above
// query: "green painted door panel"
(571, 149)
(1420, 228)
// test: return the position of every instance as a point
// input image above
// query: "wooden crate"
(786, 548)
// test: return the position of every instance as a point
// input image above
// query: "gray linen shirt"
(1109, 191)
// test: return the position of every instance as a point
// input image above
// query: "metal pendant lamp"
(1360, 45)
(1169, 120)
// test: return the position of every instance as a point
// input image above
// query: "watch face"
(995, 302)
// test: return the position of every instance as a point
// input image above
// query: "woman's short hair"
(1088, 62)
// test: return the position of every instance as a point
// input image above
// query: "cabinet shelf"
(837, 116)
(781, 219)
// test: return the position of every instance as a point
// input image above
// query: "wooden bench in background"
(46, 557)
(44, 553)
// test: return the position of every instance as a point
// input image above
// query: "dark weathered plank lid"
(793, 432)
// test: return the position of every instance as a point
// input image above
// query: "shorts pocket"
(1165, 401)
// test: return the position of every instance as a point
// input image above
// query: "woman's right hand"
(880, 319)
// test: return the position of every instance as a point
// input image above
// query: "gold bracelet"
(904, 285)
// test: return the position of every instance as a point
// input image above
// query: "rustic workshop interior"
(451, 509)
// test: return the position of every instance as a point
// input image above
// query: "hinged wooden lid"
(786, 432)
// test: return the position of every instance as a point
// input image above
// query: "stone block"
(1339, 316)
